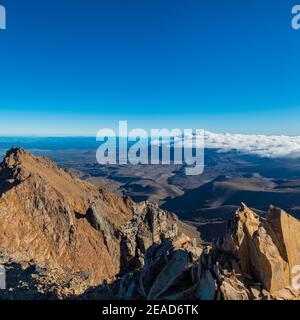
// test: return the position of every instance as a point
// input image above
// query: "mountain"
(45, 213)
(53, 221)
(258, 191)
(206, 201)
(61, 237)
(209, 206)
(254, 261)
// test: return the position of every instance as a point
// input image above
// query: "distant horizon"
(273, 146)
(33, 136)
(95, 135)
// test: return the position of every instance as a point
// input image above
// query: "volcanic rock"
(254, 261)
(52, 221)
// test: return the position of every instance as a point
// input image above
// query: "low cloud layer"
(261, 145)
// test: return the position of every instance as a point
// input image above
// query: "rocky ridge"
(254, 261)
(61, 237)
(58, 228)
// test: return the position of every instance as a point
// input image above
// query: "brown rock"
(266, 249)
(285, 228)
(51, 218)
(148, 226)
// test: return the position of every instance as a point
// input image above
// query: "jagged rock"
(286, 294)
(265, 249)
(167, 265)
(206, 287)
(149, 225)
(67, 227)
(233, 289)
(27, 281)
(285, 230)
(60, 237)
(46, 217)
(251, 262)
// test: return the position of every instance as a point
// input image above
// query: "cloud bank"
(260, 145)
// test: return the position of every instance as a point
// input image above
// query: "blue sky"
(73, 67)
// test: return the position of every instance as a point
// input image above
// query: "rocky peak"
(45, 218)
(265, 248)
(51, 220)
(149, 225)
(16, 153)
(253, 261)
(68, 235)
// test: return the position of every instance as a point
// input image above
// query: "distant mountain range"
(205, 201)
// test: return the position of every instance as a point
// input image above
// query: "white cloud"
(261, 145)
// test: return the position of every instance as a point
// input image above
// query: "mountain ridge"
(61, 237)
(52, 219)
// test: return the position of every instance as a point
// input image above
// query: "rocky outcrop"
(53, 221)
(267, 249)
(63, 237)
(253, 262)
(28, 281)
(166, 274)
(148, 225)
(262, 252)
(285, 232)
(45, 218)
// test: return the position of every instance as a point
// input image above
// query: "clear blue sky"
(72, 67)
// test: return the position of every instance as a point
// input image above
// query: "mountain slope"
(75, 232)
(254, 261)
(43, 218)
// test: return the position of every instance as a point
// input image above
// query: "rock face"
(254, 261)
(62, 237)
(286, 229)
(267, 249)
(148, 225)
(52, 221)
(166, 274)
(45, 218)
